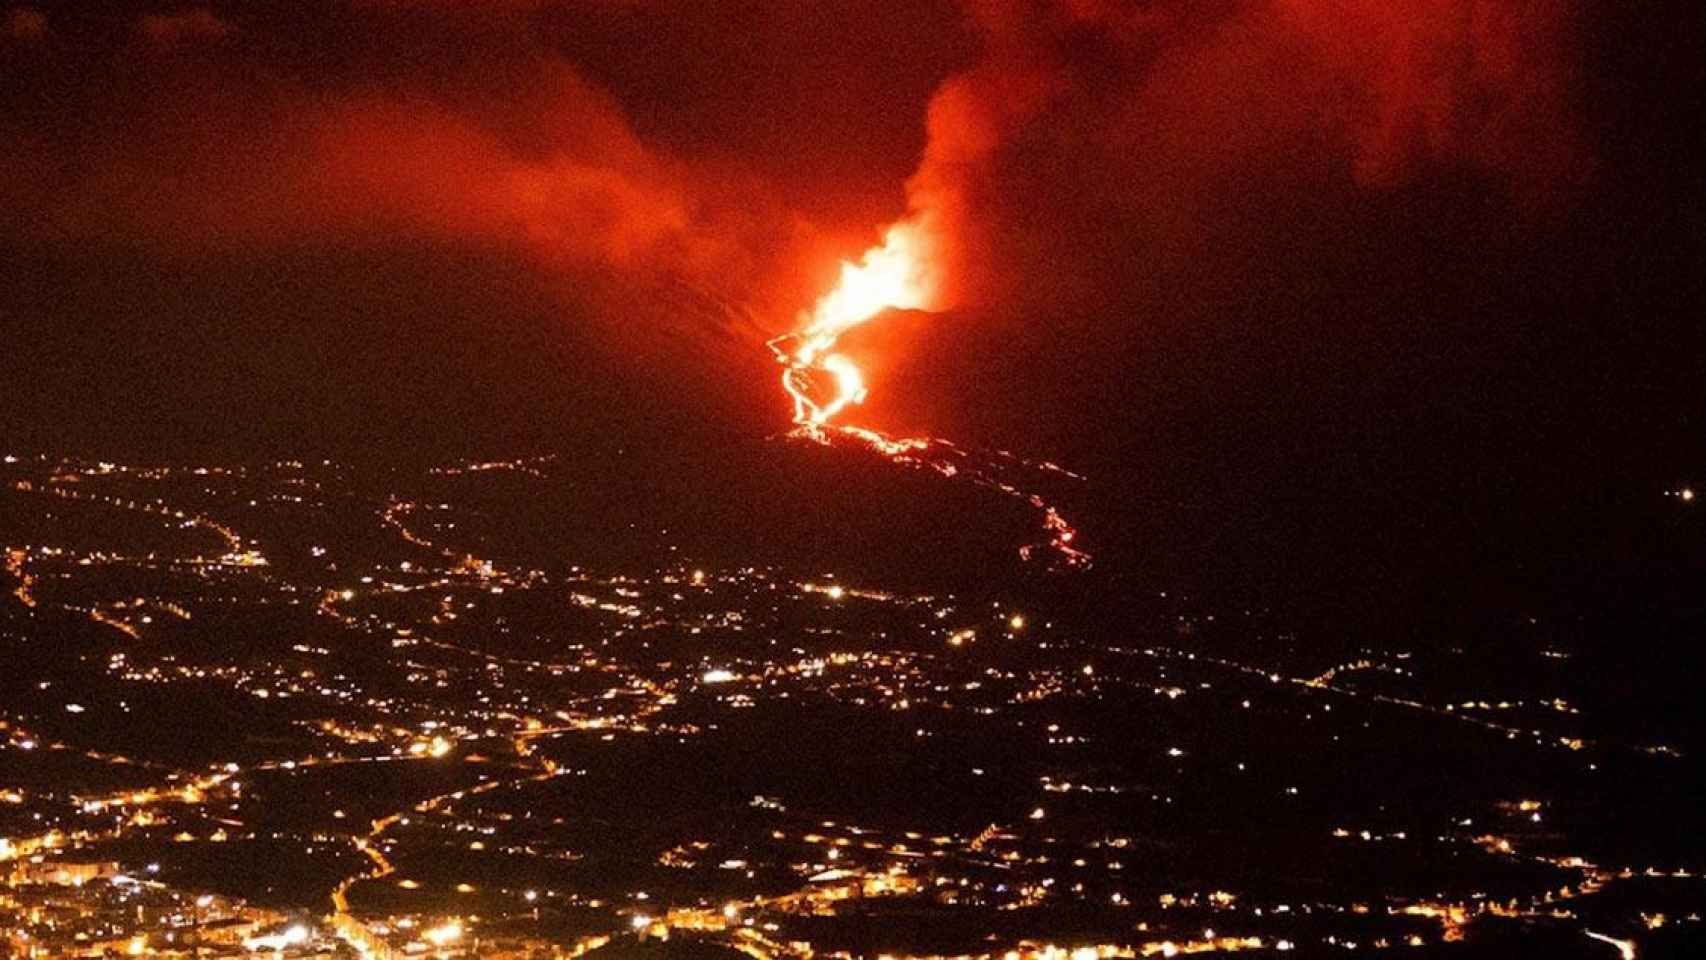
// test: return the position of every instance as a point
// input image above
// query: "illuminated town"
(284, 709)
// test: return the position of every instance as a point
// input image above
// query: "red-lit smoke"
(1053, 124)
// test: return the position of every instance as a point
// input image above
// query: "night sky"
(1364, 297)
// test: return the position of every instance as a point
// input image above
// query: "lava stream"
(983, 470)
(894, 275)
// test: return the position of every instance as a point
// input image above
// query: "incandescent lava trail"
(897, 274)
(894, 275)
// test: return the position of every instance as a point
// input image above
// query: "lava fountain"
(897, 274)
(893, 275)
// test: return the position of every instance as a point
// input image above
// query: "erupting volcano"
(895, 275)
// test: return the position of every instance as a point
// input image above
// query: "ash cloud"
(198, 133)
(481, 126)
(1148, 115)
(697, 172)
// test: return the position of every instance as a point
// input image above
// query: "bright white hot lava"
(895, 275)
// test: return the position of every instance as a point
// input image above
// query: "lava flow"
(822, 382)
(892, 275)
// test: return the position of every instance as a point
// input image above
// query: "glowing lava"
(822, 383)
(894, 275)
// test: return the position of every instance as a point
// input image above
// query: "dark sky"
(1299, 282)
